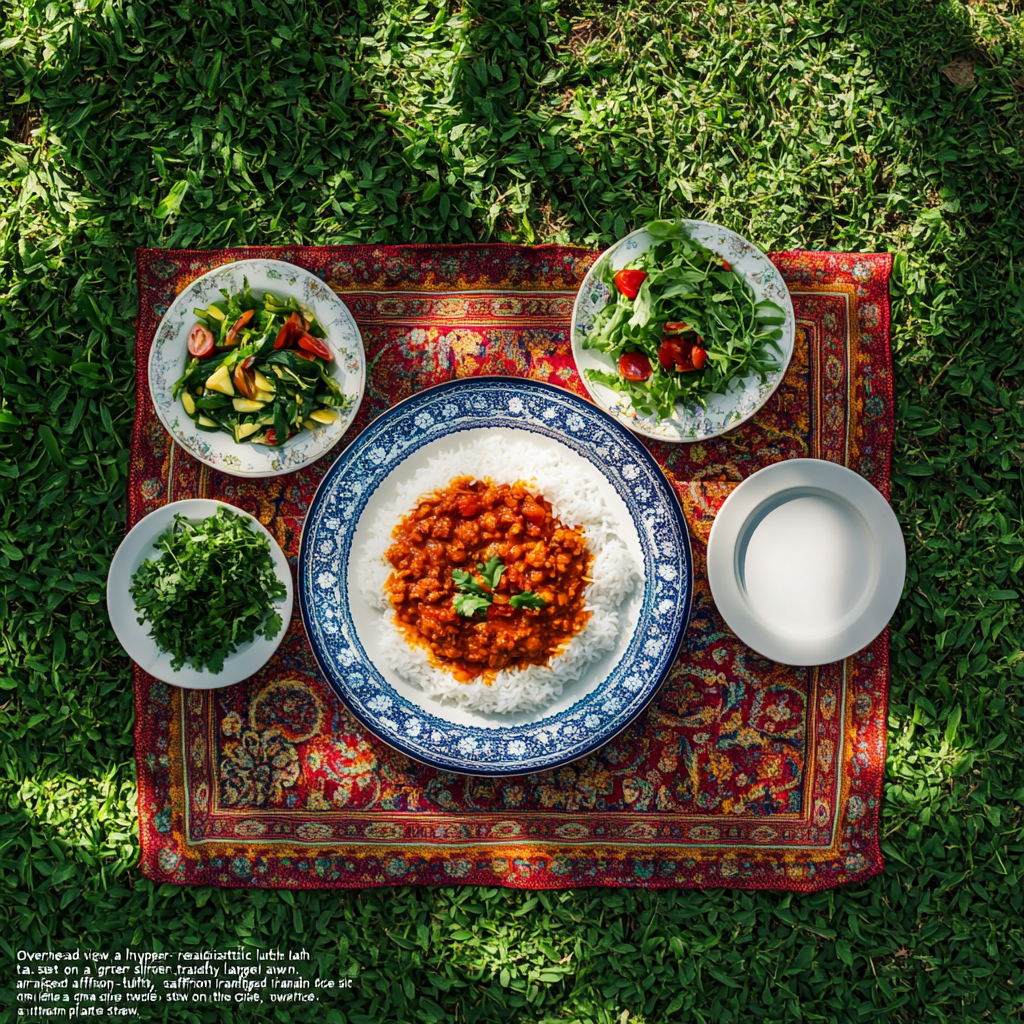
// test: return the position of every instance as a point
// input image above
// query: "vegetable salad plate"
(139, 546)
(806, 562)
(257, 368)
(640, 320)
(524, 458)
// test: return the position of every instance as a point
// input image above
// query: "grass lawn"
(864, 125)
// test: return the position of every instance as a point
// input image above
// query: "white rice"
(577, 503)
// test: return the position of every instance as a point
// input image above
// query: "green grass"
(811, 124)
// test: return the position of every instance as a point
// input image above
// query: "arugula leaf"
(527, 599)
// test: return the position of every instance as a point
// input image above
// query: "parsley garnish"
(212, 590)
(468, 605)
(492, 571)
(472, 597)
(467, 584)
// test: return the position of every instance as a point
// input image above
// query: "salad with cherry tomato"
(681, 325)
(258, 368)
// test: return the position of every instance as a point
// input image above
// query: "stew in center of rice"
(487, 578)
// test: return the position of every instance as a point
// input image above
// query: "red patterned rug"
(742, 772)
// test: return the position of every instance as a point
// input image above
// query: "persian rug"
(742, 772)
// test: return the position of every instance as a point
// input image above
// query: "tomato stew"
(461, 528)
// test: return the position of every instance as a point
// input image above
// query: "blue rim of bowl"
(442, 411)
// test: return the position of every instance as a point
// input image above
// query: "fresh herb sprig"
(211, 591)
(685, 283)
(472, 597)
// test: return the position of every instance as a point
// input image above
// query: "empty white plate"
(806, 562)
(134, 636)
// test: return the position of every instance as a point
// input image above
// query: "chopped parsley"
(212, 590)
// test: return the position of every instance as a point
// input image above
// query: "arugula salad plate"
(520, 427)
(135, 549)
(740, 397)
(170, 354)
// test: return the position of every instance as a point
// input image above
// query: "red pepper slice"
(314, 345)
(308, 356)
(245, 377)
(635, 366)
(239, 324)
(628, 282)
(200, 341)
(292, 327)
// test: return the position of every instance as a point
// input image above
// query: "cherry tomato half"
(628, 282)
(675, 354)
(238, 325)
(314, 345)
(308, 356)
(726, 264)
(200, 341)
(634, 366)
(698, 357)
(676, 327)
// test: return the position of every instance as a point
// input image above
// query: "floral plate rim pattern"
(379, 451)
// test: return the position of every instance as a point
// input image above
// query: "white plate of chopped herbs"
(682, 330)
(257, 368)
(211, 587)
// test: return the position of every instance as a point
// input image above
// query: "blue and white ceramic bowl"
(344, 631)
(169, 354)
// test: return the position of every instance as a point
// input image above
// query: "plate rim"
(635, 425)
(728, 525)
(257, 474)
(118, 567)
(501, 770)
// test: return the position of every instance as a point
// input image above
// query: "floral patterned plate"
(341, 629)
(723, 412)
(135, 638)
(169, 353)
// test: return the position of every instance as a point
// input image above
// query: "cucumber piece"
(205, 423)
